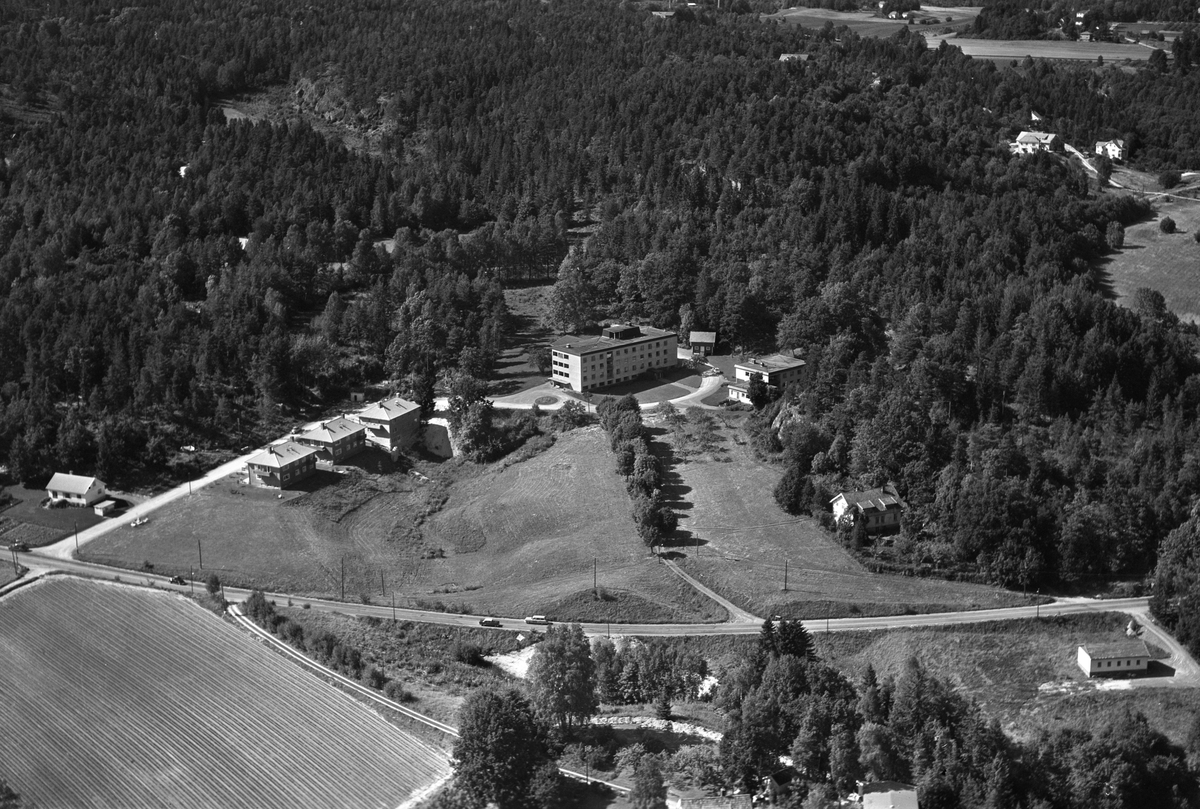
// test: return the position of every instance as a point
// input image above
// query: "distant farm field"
(120, 697)
(868, 24)
(739, 542)
(1045, 49)
(1169, 263)
(507, 539)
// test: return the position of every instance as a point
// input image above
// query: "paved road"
(40, 565)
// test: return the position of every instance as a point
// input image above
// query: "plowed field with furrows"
(120, 697)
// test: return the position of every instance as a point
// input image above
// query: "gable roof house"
(1030, 142)
(392, 424)
(702, 342)
(1112, 149)
(281, 465)
(76, 490)
(880, 509)
(335, 440)
(1120, 657)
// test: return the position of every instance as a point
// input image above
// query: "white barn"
(1118, 657)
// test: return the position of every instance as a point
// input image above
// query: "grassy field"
(1042, 49)
(26, 520)
(736, 539)
(127, 698)
(867, 24)
(510, 540)
(1161, 261)
(1021, 672)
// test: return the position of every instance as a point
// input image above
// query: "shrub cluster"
(622, 420)
(324, 646)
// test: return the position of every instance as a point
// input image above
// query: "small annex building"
(75, 490)
(392, 424)
(335, 440)
(702, 343)
(776, 370)
(887, 795)
(1116, 658)
(281, 465)
(879, 509)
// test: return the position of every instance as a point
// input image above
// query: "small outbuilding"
(75, 490)
(1116, 658)
(104, 507)
(887, 795)
(702, 342)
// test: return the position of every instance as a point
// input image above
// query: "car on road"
(20, 547)
(178, 580)
(541, 620)
(489, 622)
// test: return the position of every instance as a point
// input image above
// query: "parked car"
(537, 619)
(178, 580)
(489, 622)
(20, 547)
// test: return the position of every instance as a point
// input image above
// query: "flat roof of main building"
(578, 345)
(771, 363)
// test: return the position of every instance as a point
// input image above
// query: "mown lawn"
(1161, 261)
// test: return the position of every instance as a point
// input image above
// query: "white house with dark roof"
(1114, 658)
(335, 439)
(1112, 149)
(281, 465)
(392, 424)
(879, 509)
(1030, 142)
(77, 490)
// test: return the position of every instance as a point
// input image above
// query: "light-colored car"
(537, 619)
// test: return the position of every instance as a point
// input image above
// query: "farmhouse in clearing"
(1119, 657)
(75, 490)
(392, 424)
(335, 440)
(619, 354)
(1030, 142)
(702, 343)
(1112, 149)
(777, 371)
(878, 509)
(282, 465)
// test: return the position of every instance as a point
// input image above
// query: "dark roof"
(1134, 647)
(333, 430)
(282, 454)
(388, 409)
(576, 344)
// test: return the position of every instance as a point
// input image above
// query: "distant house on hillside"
(1030, 142)
(1112, 149)
(335, 440)
(1115, 658)
(282, 465)
(793, 57)
(879, 509)
(75, 490)
(663, 15)
(702, 342)
(777, 371)
(391, 424)
(887, 795)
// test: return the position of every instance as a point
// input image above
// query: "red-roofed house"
(336, 439)
(880, 509)
(282, 465)
(392, 424)
(76, 490)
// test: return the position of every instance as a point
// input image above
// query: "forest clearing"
(1161, 261)
(192, 713)
(1046, 49)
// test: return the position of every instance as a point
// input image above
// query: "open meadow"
(1023, 673)
(1167, 262)
(507, 538)
(867, 24)
(127, 698)
(1046, 49)
(737, 540)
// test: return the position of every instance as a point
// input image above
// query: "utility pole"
(200, 553)
(382, 591)
(393, 606)
(77, 537)
(343, 578)
(595, 587)
(16, 567)
(192, 581)
(785, 575)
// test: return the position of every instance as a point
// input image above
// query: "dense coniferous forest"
(860, 208)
